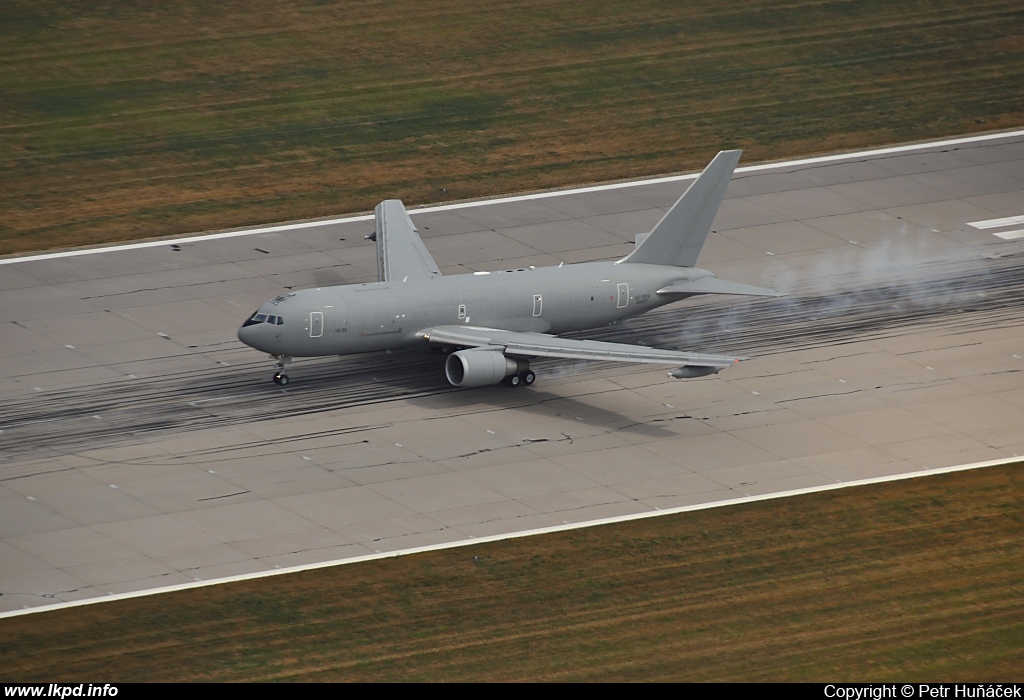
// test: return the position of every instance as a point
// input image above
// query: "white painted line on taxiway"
(515, 198)
(512, 535)
(996, 223)
(1010, 235)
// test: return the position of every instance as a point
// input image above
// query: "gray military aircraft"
(494, 323)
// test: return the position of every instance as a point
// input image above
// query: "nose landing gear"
(280, 378)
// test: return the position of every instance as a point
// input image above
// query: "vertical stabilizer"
(679, 236)
(401, 254)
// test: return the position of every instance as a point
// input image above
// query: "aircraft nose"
(251, 332)
(245, 334)
(263, 329)
(255, 337)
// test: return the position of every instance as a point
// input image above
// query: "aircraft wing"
(401, 254)
(517, 344)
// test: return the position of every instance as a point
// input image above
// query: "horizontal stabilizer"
(713, 285)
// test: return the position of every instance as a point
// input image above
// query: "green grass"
(903, 581)
(125, 120)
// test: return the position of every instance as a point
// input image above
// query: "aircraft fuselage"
(391, 315)
(496, 323)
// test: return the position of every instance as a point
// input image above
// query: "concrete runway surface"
(143, 446)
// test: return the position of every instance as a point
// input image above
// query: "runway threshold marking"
(996, 223)
(654, 513)
(1010, 235)
(516, 198)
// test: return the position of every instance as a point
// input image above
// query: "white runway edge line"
(517, 198)
(513, 535)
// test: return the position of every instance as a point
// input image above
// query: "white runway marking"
(1010, 235)
(996, 223)
(518, 198)
(512, 535)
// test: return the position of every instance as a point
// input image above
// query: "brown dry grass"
(912, 580)
(124, 120)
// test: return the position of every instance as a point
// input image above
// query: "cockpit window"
(264, 318)
(254, 319)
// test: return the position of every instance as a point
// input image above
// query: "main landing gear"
(280, 378)
(521, 378)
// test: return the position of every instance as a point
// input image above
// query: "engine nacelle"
(692, 371)
(476, 367)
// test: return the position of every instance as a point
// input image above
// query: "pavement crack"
(910, 386)
(819, 396)
(227, 495)
(132, 291)
(524, 441)
(840, 357)
(565, 436)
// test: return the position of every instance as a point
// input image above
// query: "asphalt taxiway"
(143, 446)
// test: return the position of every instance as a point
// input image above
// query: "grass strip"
(130, 120)
(901, 581)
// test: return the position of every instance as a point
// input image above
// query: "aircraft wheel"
(280, 379)
(514, 380)
(529, 377)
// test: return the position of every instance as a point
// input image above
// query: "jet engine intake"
(692, 371)
(476, 367)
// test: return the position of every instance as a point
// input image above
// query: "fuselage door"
(623, 300)
(316, 324)
(538, 304)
